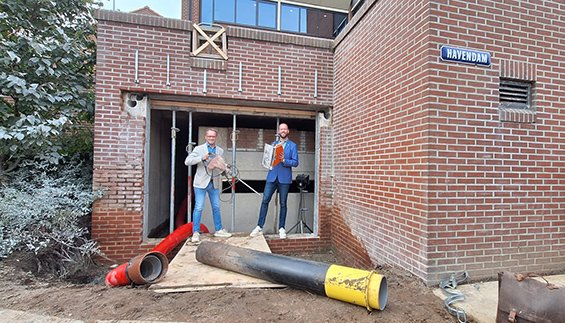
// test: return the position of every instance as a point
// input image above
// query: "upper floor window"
(266, 14)
(355, 5)
(293, 18)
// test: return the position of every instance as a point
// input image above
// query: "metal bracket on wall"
(280, 77)
(168, 70)
(204, 90)
(239, 89)
(136, 68)
(316, 84)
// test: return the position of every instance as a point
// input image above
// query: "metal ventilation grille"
(515, 94)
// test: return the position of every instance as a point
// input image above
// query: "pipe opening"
(377, 291)
(148, 268)
(383, 293)
(151, 268)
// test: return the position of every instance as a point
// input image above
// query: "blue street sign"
(465, 56)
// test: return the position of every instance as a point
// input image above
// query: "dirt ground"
(409, 300)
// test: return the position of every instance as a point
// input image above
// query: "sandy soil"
(409, 300)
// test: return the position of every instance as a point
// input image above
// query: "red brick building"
(432, 131)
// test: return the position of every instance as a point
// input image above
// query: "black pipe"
(347, 284)
(299, 273)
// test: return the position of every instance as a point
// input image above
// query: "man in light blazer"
(280, 177)
(206, 180)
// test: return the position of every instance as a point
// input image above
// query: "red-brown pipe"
(152, 266)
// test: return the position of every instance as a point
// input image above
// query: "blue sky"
(166, 8)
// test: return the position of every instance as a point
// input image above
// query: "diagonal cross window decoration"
(209, 40)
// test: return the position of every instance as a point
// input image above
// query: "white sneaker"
(257, 231)
(222, 233)
(195, 237)
(282, 233)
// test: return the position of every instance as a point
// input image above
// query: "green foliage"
(45, 211)
(47, 59)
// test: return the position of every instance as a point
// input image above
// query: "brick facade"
(119, 145)
(418, 168)
(430, 178)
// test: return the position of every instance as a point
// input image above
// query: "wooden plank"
(187, 274)
(213, 107)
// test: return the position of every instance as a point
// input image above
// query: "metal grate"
(515, 94)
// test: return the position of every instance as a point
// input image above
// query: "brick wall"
(496, 188)
(428, 177)
(379, 125)
(119, 142)
(418, 170)
(252, 139)
(248, 139)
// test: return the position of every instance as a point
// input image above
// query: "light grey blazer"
(203, 174)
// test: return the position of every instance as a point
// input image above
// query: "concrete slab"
(481, 299)
(187, 274)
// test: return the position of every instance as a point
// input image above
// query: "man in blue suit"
(280, 177)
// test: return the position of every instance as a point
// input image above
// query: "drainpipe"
(189, 148)
(151, 267)
(233, 140)
(147, 268)
(174, 131)
(355, 286)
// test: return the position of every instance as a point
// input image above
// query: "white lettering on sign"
(465, 55)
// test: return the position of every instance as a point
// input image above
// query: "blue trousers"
(200, 197)
(270, 188)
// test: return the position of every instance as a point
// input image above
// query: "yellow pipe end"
(355, 286)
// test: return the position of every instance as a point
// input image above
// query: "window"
(515, 94)
(340, 21)
(207, 12)
(267, 15)
(293, 18)
(264, 14)
(224, 10)
(246, 12)
(355, 5)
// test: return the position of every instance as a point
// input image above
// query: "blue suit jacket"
(284, 170)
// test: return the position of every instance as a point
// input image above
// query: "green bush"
(45, 211)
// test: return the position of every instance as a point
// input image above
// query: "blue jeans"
(200, 197)
(267, 194)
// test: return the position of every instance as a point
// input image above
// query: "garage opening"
(172, 133)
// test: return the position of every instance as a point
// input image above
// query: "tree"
(47, 58)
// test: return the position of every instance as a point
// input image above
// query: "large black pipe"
(347, 284)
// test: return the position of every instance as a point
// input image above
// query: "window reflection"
(224, 10)
(302, 25)
(263, 14)
(207, 12)
(246, 12)
(267, 15)
(290, 18)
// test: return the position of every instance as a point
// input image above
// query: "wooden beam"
(166, 105)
